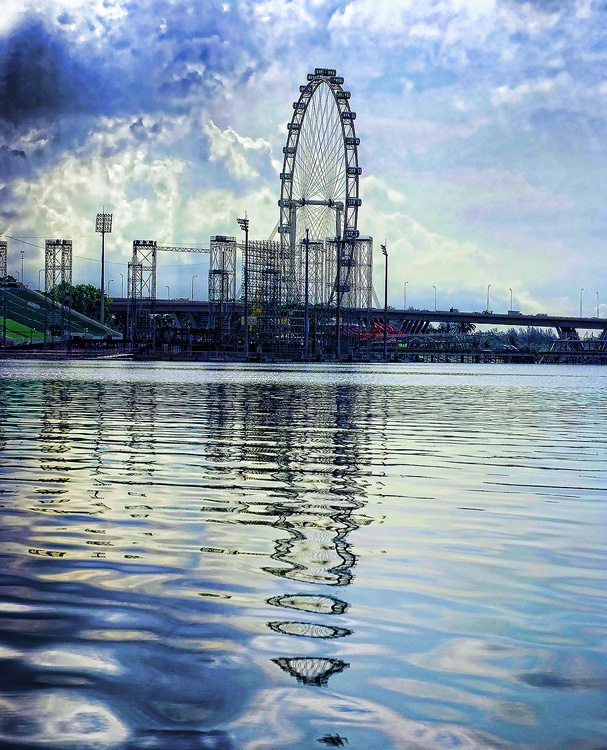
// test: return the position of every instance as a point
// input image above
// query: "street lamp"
(597, 304)
(384, 250)
(488, 287)
(581, 295)
(108, 287)
(510, 299)
(168, 292)
(433, 287)
(307, 294)
(405, 300)
(22, 254)
(122, 285)
(193, 277)
(103, 225)
(244, 225)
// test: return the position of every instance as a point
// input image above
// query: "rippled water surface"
(291, 558)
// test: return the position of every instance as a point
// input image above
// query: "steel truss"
(222, 287)
(264, 274)
(350, 289)
(141, 286)
(58, 273)
(3, 260)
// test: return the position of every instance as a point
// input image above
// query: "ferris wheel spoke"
(319, 169)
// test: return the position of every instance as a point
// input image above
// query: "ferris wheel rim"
(344, 141)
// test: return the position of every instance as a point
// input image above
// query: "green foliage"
(83, 298)
(460, 328)
(525, 339)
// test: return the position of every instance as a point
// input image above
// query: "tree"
(83, 298)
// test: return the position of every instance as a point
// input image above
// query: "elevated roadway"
(412, 320)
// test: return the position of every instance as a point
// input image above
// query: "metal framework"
(222, 286)
(3, 259)
(320, 177)
(354, 259)
(58, 273)
(264, 277)
(141, 286)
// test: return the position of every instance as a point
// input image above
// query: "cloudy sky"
(482, 126)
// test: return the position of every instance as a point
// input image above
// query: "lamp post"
(39, 282)
(488, 288)
(193, 277)
(384, 250)
(597, 304)
(22, 254)
(168, 292)
(433, 287)
(581, 296)
(405, 300)
(122, 285)
(108, 287)
(510, 299)
(244, 225)
(103, 225)
(307, 296)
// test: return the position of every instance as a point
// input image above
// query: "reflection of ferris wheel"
(319, 181)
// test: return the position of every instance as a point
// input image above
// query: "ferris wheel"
(319, 181)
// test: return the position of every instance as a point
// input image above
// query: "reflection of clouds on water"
(471, 656)
(281, 718)
(432, 693)
(44, 717)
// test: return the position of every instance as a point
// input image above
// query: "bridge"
(408, 321)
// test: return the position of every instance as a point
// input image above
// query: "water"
(280, 557)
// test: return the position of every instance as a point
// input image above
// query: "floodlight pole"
(384, 250)
(103, 224)
(244, 225)
(5, 285)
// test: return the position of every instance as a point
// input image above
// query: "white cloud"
(452, 21)
(513, 95)
(421, 135)
(234, 150)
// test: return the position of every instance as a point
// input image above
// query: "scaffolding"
(283, 323)
(222, 288)
(351, 290)
(265, 292)
(58, 275)
(141, 288)
(3, 260)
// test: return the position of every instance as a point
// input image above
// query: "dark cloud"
(40, 79)
(13, 163)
